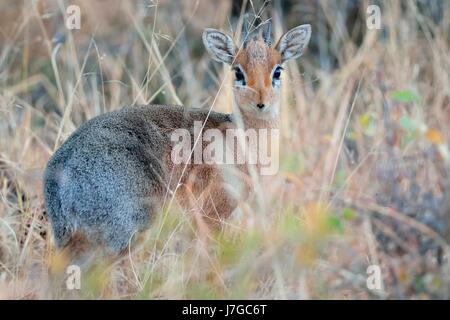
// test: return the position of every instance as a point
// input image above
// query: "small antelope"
(113, 174)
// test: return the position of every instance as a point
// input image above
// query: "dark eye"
(239, 75)
(277, 73)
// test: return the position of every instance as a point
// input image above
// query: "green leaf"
(335, 224)
(405, 96)
(348, 214)
(368, 124)
(364, 120)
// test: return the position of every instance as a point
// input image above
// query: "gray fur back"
(109, 177)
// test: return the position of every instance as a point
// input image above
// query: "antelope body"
(111, 176)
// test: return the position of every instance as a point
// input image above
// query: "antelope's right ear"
(219, 45)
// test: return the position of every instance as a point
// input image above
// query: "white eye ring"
(239, 73)
(276, 82)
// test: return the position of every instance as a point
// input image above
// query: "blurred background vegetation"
(365, 162)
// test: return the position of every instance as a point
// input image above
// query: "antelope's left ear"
(293, 42)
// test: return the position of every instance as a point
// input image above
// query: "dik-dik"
(113, 174)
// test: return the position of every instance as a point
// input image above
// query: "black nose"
(260, 105)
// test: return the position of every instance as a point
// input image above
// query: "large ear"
(219, 45)
(293, 42)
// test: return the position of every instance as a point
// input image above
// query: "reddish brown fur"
(258, 60)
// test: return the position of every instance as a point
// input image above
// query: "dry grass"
(364, 175)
